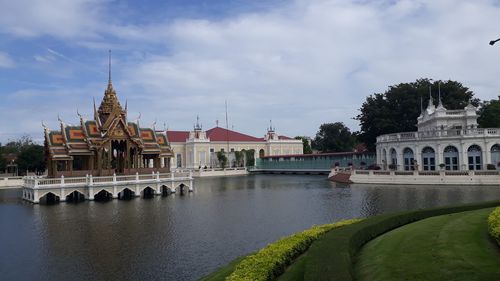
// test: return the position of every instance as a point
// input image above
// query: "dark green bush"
(494, 224)
(271, 261)
(332, 256)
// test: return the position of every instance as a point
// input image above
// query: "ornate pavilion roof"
(109, 122)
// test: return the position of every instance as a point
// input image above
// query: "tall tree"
(489, 114)
(397, 109)
(306, 144)
(31, 159)
(334, 137)
(3, 161)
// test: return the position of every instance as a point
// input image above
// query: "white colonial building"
(446, 139)
(198, 148)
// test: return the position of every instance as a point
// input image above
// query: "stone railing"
(451, 133)
(426, 173)
(37, 182)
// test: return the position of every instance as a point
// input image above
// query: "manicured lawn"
(446, 247)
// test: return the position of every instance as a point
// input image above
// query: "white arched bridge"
(111, 187)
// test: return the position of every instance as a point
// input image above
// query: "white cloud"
(6, 61)
(316, 61)
(58, 18)
(302, 64)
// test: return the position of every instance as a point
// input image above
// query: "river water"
(184, 237)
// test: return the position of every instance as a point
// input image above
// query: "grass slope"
(447, 247)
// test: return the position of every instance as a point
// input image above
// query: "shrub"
(271, 261)
(491, 167)
(494, 224)
(373, 167)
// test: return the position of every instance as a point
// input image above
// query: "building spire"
(197, 126)
(440, 104)
(109, 69)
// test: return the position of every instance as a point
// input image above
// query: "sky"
(297, 63)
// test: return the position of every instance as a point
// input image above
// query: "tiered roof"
(110, 122)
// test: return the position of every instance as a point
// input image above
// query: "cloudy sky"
(299, 63)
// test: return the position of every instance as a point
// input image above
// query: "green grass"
(447, 247)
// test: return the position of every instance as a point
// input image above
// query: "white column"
(486, 155)
(62, 198)
(463, 160)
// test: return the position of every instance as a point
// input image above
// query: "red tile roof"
(177, 136)
(221, 134)
(214, 134)
(218, 134)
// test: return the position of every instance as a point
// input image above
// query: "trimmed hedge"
(494, 224)
(271, 261)
(332, 256)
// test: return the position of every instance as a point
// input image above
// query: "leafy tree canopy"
(334, 137)
(305, 144)
(489, 114)
(31, 158)
(397, 109)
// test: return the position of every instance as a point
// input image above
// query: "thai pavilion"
(106, 145)
(445, 139)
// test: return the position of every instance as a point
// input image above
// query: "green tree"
(31, 158)
(15, 146)
(305, 144)
(3, 161)
(489, 114)
(239, 157)
(250, 155)
(397, 109)
(334, 137)
(221, 157)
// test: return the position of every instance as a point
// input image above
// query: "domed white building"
(445, 140)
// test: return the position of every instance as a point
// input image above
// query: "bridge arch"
(164, 190)
(103, 195)
(148, 192)
(126, 193)
(49, 197)
(75, 196)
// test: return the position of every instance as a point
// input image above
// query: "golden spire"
(109, 70)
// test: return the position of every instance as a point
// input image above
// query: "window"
(428, 159)
(408, 159)
(474, 156)
(450, 158)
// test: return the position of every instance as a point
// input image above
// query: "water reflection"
(183, 237)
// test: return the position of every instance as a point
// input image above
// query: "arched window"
(475, 158)
(394, 159)
(428, 159)
(450, 158)
(495, 155)
(261, 153)
(408, 159)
